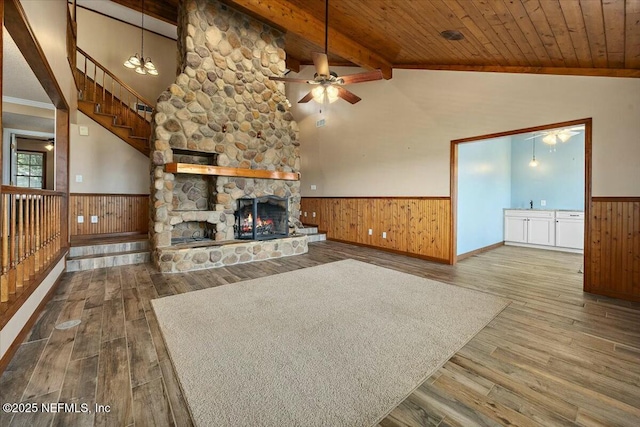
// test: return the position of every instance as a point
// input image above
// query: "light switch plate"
(313, 187)
(371, 232)
(80, 219)
(94, 219)
(83, 130)
(78, 178)
(384, 234)
(543, 203)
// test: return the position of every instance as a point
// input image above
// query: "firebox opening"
(192, 231)
(262, 218)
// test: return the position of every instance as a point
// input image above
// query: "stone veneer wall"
(222, 103)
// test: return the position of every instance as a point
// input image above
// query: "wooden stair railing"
(112, 103)
(30, 242)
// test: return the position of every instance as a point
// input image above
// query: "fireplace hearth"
(262, 218)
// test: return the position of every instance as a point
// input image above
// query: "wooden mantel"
(189, 168)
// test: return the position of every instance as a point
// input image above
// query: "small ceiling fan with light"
(329, 84)
(552, 137)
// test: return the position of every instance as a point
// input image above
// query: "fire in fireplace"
(262, 218)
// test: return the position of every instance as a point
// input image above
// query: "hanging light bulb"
(533, 163)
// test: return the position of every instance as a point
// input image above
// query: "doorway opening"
(536, 148)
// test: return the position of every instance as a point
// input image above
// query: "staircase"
(112, 104)
(124, 251)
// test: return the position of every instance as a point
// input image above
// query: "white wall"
(484, 189)
(396, 141)
(111, 42)
(48, 19)
(107, 163)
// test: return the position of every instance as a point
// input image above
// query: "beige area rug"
(340, 344)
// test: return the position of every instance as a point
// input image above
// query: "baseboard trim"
(612, 294)
(26, 293)
(546, 248)
(479, 251)
(395, 251)
(8, 355)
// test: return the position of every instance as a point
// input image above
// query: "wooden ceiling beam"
(562, 71)
(166, 10)
(293, 64)
(298, 21)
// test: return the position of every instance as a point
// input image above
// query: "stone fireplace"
(222, 134)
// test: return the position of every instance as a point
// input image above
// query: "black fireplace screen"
(262, 218)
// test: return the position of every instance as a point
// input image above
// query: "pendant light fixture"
(533, 163)
(138, 62)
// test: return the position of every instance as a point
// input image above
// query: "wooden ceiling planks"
(575, 24)
(613, 12)
(632, 39)
(588, 37)
(560, 30)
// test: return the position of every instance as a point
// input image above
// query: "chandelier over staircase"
(139, 63)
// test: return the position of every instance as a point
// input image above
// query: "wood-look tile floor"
(554, 357)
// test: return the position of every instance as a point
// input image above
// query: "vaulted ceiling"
(576, 37)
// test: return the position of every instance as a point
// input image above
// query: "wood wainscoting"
(613, 267)
(117, 213)
(416, 226)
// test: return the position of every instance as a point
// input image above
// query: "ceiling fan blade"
(347, 96)
(321, 62)
(287, 79)
(367, 76)
(308, 97)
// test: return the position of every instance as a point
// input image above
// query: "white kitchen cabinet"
(570, 229)
(530, 226)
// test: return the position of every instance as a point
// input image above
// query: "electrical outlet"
(313, 214)
(371, 232)
(314, 187)
(384, 234)
(543, 203)
(80, 219)
(94, 219)
(305, 214)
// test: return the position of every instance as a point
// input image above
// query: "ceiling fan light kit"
(328, 84)
(552, 137)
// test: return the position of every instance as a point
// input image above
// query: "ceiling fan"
(552, 137)
(329, 84)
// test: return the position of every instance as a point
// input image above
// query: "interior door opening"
(526, 187)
